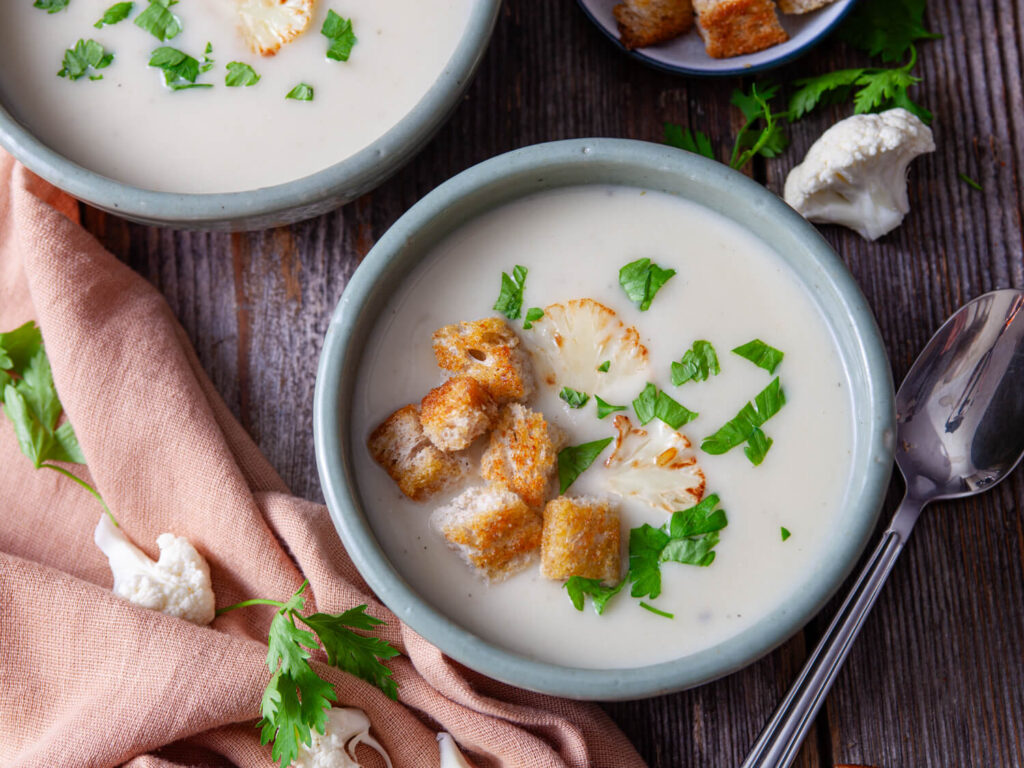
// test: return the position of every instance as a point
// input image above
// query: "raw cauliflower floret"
(523, 453)
(177, 584)
(456, 413)
(572, 342)
(266, 25)
(581, 538)
(346, 729)
(855, 174)
(656, 464)
(490, 352)
(406, 453)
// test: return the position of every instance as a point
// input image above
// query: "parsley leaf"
(180, 70)
(574, 398)
(158, 20)
(763, 133)
(603, 367)
(699, 362)
(578, 587)
(301, 92)
(87, 56)
(656, 611)
(696, 141)
(603, 408)
(752, 415)
(207, 63)
(533, 314)
(812, 91)
(757, 446)
(357, 654)
(240, 74)
(652, 404)
(886, 28)
(115, 13)
(339, 31)
(574, 460)
(510, 298)
(785, 533)
(641, 280)
(760, 354)
(51, 6)
(645, 403)
(970, 182)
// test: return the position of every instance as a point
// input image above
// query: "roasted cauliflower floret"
(655, 464)
(490, 352)
(581, 538)
(401, 447)
(523, 453)
(491, 528)
(266, 25)
(649, 22)
(456, 413)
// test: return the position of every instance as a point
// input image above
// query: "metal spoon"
(960, 430)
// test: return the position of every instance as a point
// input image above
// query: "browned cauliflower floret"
(581, 538)
(489, 351)
(266, 25)
(420, 469)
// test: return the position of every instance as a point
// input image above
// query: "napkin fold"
(88, 679)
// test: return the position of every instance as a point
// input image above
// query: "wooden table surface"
(937, 677)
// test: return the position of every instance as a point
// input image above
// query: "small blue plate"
(686, 56)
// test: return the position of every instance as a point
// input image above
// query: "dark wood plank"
(936, 680)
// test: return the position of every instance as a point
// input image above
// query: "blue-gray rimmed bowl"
(650, 166)
(686, 56)
(282, 203)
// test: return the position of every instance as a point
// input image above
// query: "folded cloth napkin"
(88, 679)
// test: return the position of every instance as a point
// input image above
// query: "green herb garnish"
(207, 63)
(578, 587)
(603, 408)
(51, 6)
(87, 56)
(699, 362)
(158, 20)
(115, 13)
(886, 28)
(739, 429)
(180, 70)
(654, 610)
(757, 446)
(695, 141)
(533, 314)
(641, 280)
(301, 92)
(763, 133)
(970, 182)
(760, 354)
(652, 404)
(240, 74)
(339, 31)
(785, 533)
(510, 298)
(574, 398)
(574, 460)
(603, 367)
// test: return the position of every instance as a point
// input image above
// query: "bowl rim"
(541, 162)
(353, 175)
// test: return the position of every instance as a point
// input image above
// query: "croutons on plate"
(523, 453)
(649, 22)
(266, 25)
(735, 27)
(456, 413)
(491, 528)
(490, 352)
(420, 469)
(581, 538)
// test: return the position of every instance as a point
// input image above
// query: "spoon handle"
(779, 742)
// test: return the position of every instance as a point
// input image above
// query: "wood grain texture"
(937, 678)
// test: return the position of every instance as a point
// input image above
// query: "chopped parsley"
(738, 430)
(574, 398)
(339, 31)
(240, 74)
(757, 446)
(533, 314)
(655, 611)
(652, 404)
(510, 297)
(970, 182)
(301, 92)
(207, 63)
(180, 70)
(603, 408)
(699, 362)
(785, 535)
(603, 367)
(158, 20)
(641, 280)
(695, 141)
(578, 587)
(85, 58)
(574, 460)
(760, 354)
(115, 13)
(51, 6)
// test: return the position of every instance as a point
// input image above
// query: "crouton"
(735, 27)
(649, 22)
(420, 469)
(802, 6)
(492, 529)
(489, 351)
(523, 453)
(581, 538)
(456, 413)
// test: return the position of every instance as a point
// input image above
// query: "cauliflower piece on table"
(456, 413)
(346, 729)
(855, 174)
(581, 538)
(177, 584)
(266, 25)
(523, 453)
(490, 352)
(400, 446)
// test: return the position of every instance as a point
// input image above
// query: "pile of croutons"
(497, 528)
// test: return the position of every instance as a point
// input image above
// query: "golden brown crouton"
(407, 454)
(735, 27)
(581, 538)
(802, 6)
(523, 453)
(493, 530)
(649, 22)
(489, 351)
(456, 413)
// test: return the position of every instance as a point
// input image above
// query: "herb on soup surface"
(51, 6)
(785, 533)
(603, 367)
(695, 141)
(574, 398)
(158, 20)
(652, 404)
(575, 459)
(578, 587)
(115, 13)
(301, 92)
(510, 297)
(180, 70)
(533, 314)
(207, 63)
(699, 362)
(86, 57)
(655, 611)
(339, 31)
(757, 446)
(738, 430)
(604, 409)
(760, 354)
(240, 74)
(641, 280)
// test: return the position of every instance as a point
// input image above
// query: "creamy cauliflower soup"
(133, 127)
(728, 290)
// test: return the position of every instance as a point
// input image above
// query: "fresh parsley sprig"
(87, 57)
(886, 28)
(697, 142)
(763, 133)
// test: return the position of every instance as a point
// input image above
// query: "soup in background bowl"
(795, 503)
